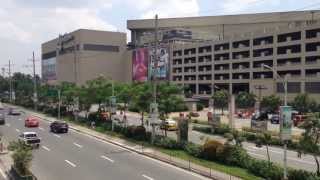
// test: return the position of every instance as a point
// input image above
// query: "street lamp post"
(284, 83)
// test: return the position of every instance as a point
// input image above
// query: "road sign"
(285, 122)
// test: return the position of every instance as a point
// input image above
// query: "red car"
(31, 122)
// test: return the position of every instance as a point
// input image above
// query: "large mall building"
(251, 52)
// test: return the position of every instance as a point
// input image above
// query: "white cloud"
(248, 6)
(167, 8)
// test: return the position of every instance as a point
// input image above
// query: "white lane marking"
(41, 128)
(147, 177)
(8, 125)
(18, 130)
(106, 158)
(145, 157)
(57, 136)
(3, 174)
(254, 154)
(301, 161)
(46, 148)
(78, 145)
(70, 163)
(20, 119)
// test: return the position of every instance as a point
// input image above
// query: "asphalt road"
(75, 156)
(306, 162)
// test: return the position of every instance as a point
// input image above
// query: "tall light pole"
(153, 106)
(35, 93)
(10, 82)
(285, 176)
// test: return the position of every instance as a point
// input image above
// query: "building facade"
(239, 63)
(83, 55)
(208, 28)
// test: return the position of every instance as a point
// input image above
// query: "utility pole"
(260, 88)
(154, 107)
(10, 82)
(59, 103)
(35, 94)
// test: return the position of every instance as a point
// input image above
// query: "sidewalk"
(140, 149)
(5, 161)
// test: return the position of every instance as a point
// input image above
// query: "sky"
(25, 24)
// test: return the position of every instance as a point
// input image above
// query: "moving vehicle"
(169, 125)
(30, 139)
(2, 119)
(13, 111)
(59, 127)
(31, 122)
(275, 119)
(297, 119)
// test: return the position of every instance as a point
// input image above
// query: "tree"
(221, 99)
(142, 98)
(303, 103)
(271, 103)
(236, 137)
(245, 100)
(22, 156)
(309, 142)
(265, 138)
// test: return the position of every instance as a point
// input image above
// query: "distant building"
(83, 55)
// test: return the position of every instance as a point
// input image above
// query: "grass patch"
(234, 171)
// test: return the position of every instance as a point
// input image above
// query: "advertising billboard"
(285, 122)
(162, 70)
(49, 69)
(140, 65)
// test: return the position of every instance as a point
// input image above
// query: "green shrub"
(295, 174)
(212, 149)
(135, 132)
(222, 129)
(193, 149)
(202, 129)
(265, 169)
(199, 107)
(235, 156)
(167, 143)
(194, 114)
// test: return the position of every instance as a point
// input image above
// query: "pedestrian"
(93, 124)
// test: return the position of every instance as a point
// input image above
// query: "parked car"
(297, 119)
(31, 121)
(2, 119)
(169, 125)
(59, 127)
(13, 111)
(275, 119)
(30, 139)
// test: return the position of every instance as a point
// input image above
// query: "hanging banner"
(285, 122)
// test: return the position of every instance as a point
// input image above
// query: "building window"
(49, 55)
(312, 87)
(98, 47)
(292, 87)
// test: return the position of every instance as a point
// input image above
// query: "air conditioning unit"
(221, 48)
(288, 38)
(318, 34)
(262, 54)
(241, 45)
(240, 67)
(262, 76)
(240, 56)
(288, 51)
(240, 76)
(221, 57)
(221, 67)
(263, 42)
(221, 77)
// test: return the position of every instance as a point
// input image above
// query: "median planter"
(16, 175)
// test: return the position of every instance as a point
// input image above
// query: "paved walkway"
(138, 148)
